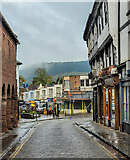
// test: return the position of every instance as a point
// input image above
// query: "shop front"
(111, 105)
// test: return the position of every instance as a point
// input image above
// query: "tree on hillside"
(21, 80)
(42, 77)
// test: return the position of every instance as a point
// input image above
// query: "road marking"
(20, 146)
(102, 147)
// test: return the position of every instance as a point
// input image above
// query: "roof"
(32, 87)
(19, 63)
(6, 25)
(91, 19)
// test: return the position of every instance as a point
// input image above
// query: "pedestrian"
(47, 111)
(53, 112)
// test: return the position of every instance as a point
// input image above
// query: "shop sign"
(32, 101)
(109, 82)
(50, 100)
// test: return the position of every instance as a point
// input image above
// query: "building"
(124, 66)
(104, 36)
(101, 36)
(77, 93)
(9, 84)
(17, 75)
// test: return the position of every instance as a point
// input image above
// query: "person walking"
(47, 111)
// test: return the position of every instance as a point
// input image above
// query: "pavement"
(114, 138)
(118, 140)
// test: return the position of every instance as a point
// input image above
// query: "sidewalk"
(41, 118)
(118, 140)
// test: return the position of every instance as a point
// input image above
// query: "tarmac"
(118, 140)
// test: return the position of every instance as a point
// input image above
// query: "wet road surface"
(61, 139)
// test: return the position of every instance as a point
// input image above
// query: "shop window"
(113, 106)
(126, 103)
(106, 102)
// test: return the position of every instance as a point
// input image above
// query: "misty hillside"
(57, 69)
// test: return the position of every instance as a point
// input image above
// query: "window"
(106, 12)
(31, 95)
(50, 92)
(58, 91)
(99, 24)
(114, 55)
(67, 84)
(37, 94)
(87, 82)
(82, 82)
(106, 51)
(9, 48)
(109, 53)
(126, 103)
(43, 93)
(3, 36)
(26, 96)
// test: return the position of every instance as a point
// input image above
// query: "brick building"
(8, 88)
(77, 93)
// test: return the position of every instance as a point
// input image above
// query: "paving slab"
(118, 140)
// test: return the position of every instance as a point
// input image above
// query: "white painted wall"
(103, 35)
(55, 86)
(113, 23)
(124, 37)
(85, 88)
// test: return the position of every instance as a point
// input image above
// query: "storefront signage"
(32, 101)
(109, 82)
(50, 100)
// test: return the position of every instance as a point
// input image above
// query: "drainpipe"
(119, 32)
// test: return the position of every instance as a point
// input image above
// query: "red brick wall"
(9, 102)
(74, 85)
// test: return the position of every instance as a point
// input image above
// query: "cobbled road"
(60, 138)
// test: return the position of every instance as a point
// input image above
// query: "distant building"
(9, 108)
(77, 93)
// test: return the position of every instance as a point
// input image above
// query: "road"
(60, 138)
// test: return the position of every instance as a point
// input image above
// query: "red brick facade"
(9, 84)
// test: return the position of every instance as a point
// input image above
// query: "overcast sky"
(48, 32)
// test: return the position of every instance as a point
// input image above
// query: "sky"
(48, 31)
